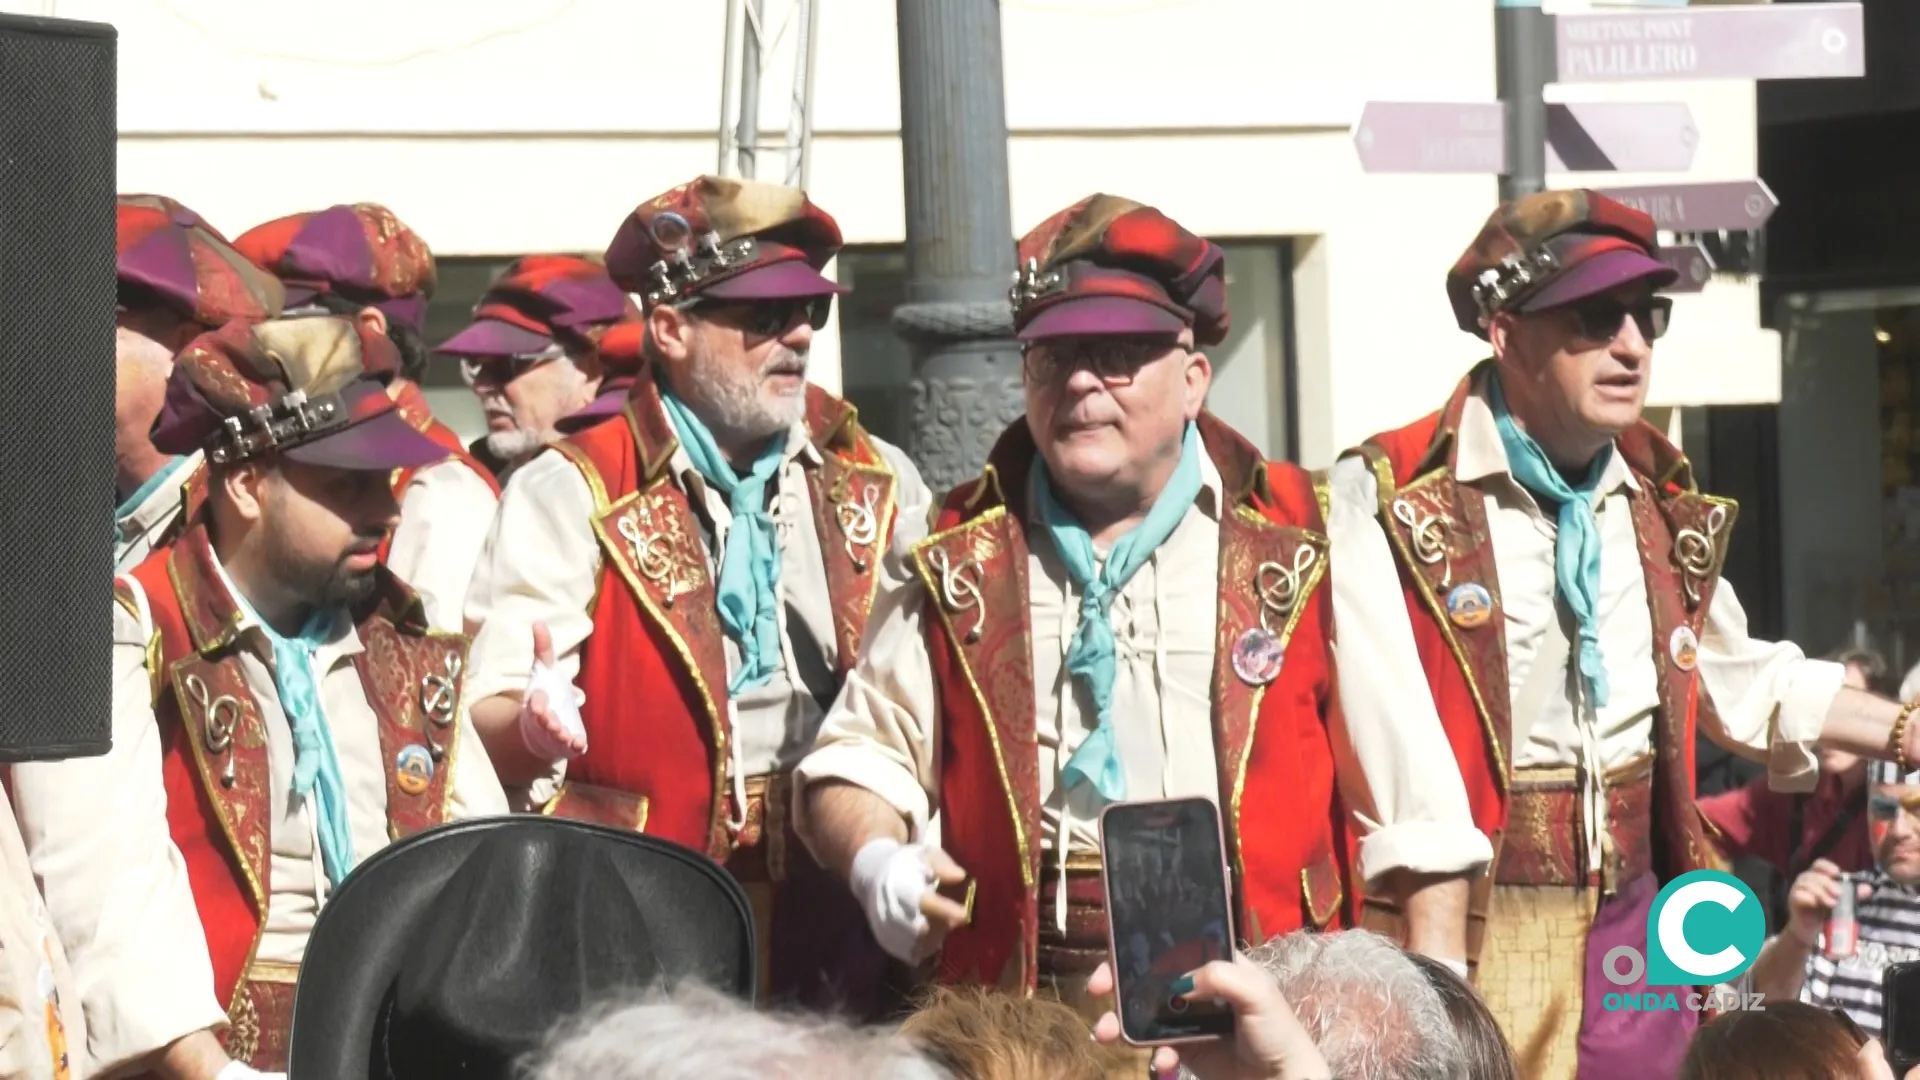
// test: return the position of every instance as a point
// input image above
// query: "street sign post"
(1693, 265)
(1470, 137)
(1754, 41)
(1736, 206)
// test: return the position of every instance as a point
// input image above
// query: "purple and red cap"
(725, 239)
(361, 252)
(1552, 249)
(622, 350)
(1111, 267)
(311, 389)
(171, 252)
(539, 302)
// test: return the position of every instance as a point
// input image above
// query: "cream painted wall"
(499, 127)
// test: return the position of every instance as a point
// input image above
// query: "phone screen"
(1900, 985)
(1169, 911)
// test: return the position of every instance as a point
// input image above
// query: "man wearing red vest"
(532, 353)
(362, 261)
(177, 279)
(700, 571)
(281, 710)
(1532, 629)
(1127, 604)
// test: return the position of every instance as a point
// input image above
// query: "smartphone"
(1169, 911)
(1900, 1034)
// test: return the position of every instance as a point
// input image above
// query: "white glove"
(563, 700)
(889, 879)
(239, 1070)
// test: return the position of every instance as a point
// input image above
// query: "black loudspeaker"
(57, 135)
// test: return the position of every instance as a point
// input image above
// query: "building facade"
(496, 129)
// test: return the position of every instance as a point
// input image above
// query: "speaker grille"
(57, 133)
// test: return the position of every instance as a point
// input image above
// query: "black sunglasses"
(764, 318)
(1600, 318)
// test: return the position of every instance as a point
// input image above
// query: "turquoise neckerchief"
(316, 765)
(141, 494)
(1576, 545)
(1090, 655)
(748, 590)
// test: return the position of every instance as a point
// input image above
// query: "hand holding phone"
(1169, 913)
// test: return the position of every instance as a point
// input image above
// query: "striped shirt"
(1889, 934)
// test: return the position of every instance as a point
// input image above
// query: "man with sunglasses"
(362, 261)
(671, 599)
(1127, 604)
(1532, 628)
(532, 353)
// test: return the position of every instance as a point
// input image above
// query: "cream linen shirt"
(444, 517)
(542, 563)
(883, 732)
(144, 525)
(1398, 768)
(33, 969)
(117, 887)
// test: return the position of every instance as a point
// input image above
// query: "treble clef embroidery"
(219, 717)
(860, 521)
(438, 693)
(654, 555)
(1279, 587)
(1698, 553)
(958, 591)
(1428, 535)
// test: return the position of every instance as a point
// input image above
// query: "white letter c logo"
(1673, 919)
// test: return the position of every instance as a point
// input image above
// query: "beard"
(739, 405)
(514, 446)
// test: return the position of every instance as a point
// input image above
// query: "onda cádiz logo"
(1705, 928)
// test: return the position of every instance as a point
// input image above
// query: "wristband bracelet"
(1898, 737)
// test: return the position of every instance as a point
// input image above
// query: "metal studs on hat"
(1029, 284)
(1498, 284)
(681, 272)
(1684, 648)
(413, 769)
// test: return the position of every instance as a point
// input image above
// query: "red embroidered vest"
(1439, 534)
(654, 670)
(1285, 825)
(413, 406)
(214, 748)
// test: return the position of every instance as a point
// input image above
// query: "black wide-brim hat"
(455, 951)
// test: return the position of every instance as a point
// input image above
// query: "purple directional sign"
(1432, 137)
(1621, 136)
(1469, 137)
(1691, 262)
(1754, 41)
(1735, 206)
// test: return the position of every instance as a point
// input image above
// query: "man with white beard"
(670, 600)
(532, 354)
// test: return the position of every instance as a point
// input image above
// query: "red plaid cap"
(730, 239)
(1552, 248)
(540, 301)
(167, 249)
(311, 388)
(360, 252)
(1111, 266)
